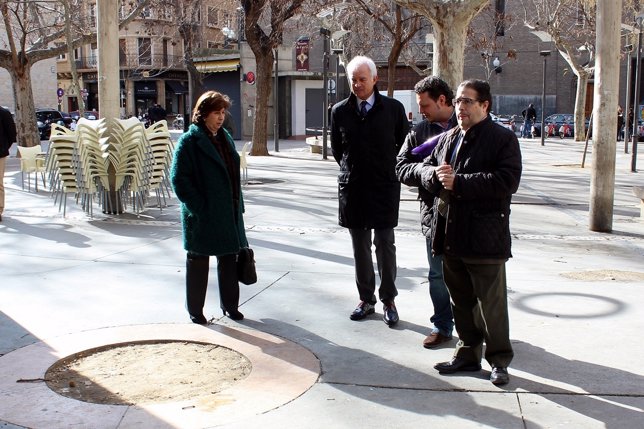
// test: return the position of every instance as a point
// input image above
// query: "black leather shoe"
(234, 314)
(200, 319)
(390, 314)
(457, 364)
(499, 376)
(362, 310)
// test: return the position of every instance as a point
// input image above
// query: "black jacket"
(7, 132)
(488, 171)
(409, 167)
(366, 148)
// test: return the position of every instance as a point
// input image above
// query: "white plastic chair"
(32, 160)
(243, 160)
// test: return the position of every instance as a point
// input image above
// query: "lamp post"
(627, 108)
(497, 65)
(229, 34)
(636, 100)
(240, 27)
(325, 77)
(276, 100)
(544, 54)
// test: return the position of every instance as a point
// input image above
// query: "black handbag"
(246, 272)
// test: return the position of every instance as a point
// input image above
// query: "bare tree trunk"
(264, 84)
(602, 182)
(450, 19)
(449, 49)
(580, 105)
(392, 60)
(25, 110)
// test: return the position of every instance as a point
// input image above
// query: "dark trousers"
(197, 267)
(480, 308)
(385, 243)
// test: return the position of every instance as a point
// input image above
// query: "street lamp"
(229, 34)
(545, 55)
(636, 101)
(326, 34)
(497, 65)
(627, 123)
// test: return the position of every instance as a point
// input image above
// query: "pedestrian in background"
(206, 179)
(529, 117)
(7, 138)
(367, 131)
(476, 167)
(620, 123)
(434, 97)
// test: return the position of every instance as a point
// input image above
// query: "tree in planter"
(35, 31)
(264, 28)
(450, 20)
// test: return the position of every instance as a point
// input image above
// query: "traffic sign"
(60, 92)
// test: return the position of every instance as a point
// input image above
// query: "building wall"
(43, 82)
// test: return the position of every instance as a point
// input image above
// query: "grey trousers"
(480, 307)
(385, 243)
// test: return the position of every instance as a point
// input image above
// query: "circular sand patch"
(147, 372)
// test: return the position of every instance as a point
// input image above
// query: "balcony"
(134, 61)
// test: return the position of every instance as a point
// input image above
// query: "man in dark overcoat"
(367, 130)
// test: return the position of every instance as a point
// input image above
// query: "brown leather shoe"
(435, 339)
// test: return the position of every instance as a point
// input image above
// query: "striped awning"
(218, 66)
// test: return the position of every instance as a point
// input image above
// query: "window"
(93, 55)
(166, 12)
(145, 51)
(92, 15)
(122, 52)
(213, 17)
(580, 20)
(212, 44)
(165, 52)
(500, 17)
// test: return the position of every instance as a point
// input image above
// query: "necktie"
(363, 108)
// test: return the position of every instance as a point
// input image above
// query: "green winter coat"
(202, 184)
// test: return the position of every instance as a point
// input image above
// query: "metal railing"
(135, 61)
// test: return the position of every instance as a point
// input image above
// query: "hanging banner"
(302, 54)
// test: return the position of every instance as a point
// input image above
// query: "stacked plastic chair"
(92, 173)
(161, 148)
(132, 161)
(80, 161)
(62, 164)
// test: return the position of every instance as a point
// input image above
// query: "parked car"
(45, 117)
(504, 120)
(559, 124)
(88, 114)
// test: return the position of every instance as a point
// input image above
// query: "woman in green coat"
(205, 178)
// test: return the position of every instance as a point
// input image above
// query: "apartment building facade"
(151, 58)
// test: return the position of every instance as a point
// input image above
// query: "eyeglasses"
(464, 100)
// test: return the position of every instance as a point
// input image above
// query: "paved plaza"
(573, 296)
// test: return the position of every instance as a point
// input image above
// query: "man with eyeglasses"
(367, 131)
(475, 169)
(434, 98)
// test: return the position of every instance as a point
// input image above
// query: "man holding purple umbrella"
(434, 98)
